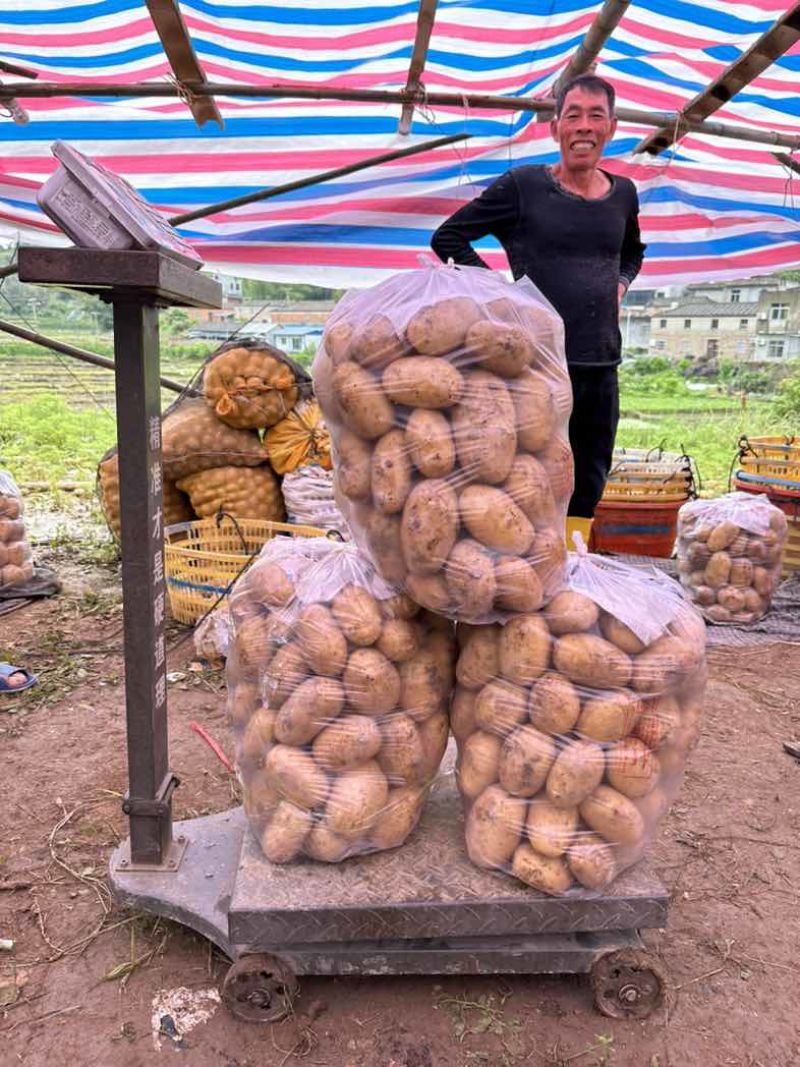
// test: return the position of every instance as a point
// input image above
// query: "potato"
(321, 641)
(441, 327)
(589, 660)
(434, 732)
(430, 443)
(577, 771)
(429, 526)
(425, 683)
(738, 546)
(401, 756)
(484, 430)
(778, 523)
(554, 705)
(479, 660)
(371, 682)
(287, 670)
(336, 339)
(702, 594)
(423, 382)
(429, 590)
(377, 344)
(357, 614)
(494, 825)
(470, 580)
(722, 535)
(741, 572)
(363, 403)
(631, 768)
(569, 613)
(478, 763)
(753, 602)
(357, 798)
(556, 458)
(254, 644)
(698, 554)
(493, 519)
(398, 640)
(260, 796)
(525, 761)
(462, 714)
(519, 588)
(270, 584)
(609, 716)
(499, 707)
(296, 776)
(390, 477)
(502, 349)
(548, 555)
(663, 664)
(731, 598)
(242, 701)
(313, 705)
(353, 466)
(327, 847)
(613, 816)
(384, 537)
(528, 486)
(620, 635)
(763, 582)
(548, 873)
(658, 722)
(718, 570)
(535, 415)
(258, 736)
(523, 649)
(346, 742)
(755, 550)
(591, 861)
(550, 830)
(398, 818)
(282, 840)
(398, 606)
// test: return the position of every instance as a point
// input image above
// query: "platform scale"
(419, 909)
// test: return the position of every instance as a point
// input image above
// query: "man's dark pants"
(592, 430)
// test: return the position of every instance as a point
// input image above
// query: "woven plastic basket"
(202, 559)
(648, 476)
(773, 459)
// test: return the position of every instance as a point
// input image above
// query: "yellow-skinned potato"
(525, 761)
(631, 768)
(470, 580)
(478, 763)
(398, 640)
(493, 519)
(324, 845)
(519, 588)
(429, 526)
(576, 773)
(554, 705)
(296, 776)
(258, 736)
(441, 327)
(336, 339)
(591, 861)
(425, 681)
(254, 644)
(390, 477)
(535, 411)
(718, 570)
(613, 816)
(377, 344)
(347, 742)
(556, 458)
(357, 615)
(494, 825)
(312, 706)
(722, 535)
(243, 699)
(484, 429)
(763, 581)
(429, 590)
(287, 829)
(364, 406)
(620, 635)
(609, 716)
(550, 830)
(356, 799)
(401, 756)
(430, 443)
(270, 584)
(423, 382)
(590, 660)
(500, 707)
(398, 818)
(502, 349)
(731, 598)
(398, 606)
(528, 486)
(662, 664)
(479, 659)
(549, 874)
(741, 572)
(371, 682)
(462, 714)
(321, 641)
(548, 555)
(753, 602)
(569, 613)
(353, 467)
(384, 537)
(658, 722)
(524, 649)
(434, 732)
(260, 796)
(286, 671)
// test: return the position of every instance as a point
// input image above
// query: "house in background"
(778, 325)
(293, 339)
(702, 329)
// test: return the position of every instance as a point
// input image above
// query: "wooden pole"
(425, 17)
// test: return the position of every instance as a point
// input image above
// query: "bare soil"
(79, 984)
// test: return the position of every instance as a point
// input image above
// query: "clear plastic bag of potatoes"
(446, 393)
(16, 558)
(729, 555)
(338, 689)
(574, 724)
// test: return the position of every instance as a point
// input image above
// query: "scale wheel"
(628, 984)
(259, 989)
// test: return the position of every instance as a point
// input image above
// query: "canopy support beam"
(425, 19)
(178, 48)
(583, 59)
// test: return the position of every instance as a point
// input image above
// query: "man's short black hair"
(590, 83)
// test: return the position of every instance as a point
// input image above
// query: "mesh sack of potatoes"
(729, 555)
(213, 635)
(338, 695)
(16, 558)
(447, 396)
(574, 723)
(176, 505)
(194, 439)
(301, 438)
(251, 385)
(244, 492)
(310, 499)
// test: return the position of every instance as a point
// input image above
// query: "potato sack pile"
(338, 690)
(447, 397)
(16, 558)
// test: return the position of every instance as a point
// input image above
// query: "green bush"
(787, 402)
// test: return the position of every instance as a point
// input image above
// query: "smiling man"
(573, 229)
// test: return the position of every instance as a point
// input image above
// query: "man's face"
(583, 129)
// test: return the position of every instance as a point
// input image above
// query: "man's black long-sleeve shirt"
(575, 250)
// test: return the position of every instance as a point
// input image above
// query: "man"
(573, 229)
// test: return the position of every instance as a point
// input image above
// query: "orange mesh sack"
(447, 396)
(338, 694)
(244, 492)
(574, 724)
(250, 388)
(176, 504)
(299, 439)
(16, 558)
(194, 439)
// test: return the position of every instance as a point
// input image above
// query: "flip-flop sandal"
(6, 670)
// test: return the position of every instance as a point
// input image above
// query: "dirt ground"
(79, 984)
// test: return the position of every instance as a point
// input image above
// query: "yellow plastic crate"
(772, 459)
(790, 561)
(202, 559)
(646, 476)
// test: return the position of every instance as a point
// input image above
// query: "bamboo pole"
(605, 22)
(419, 54)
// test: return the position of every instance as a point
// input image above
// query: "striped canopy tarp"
(712, 208)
